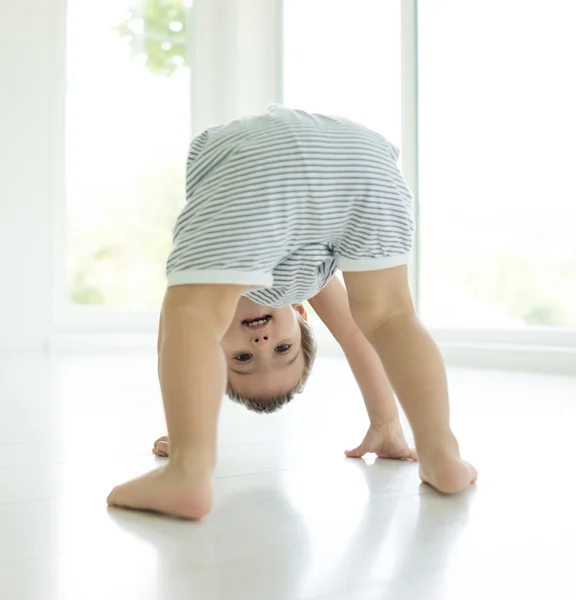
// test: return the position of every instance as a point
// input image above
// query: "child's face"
(266, 359)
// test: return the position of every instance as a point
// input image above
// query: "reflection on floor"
(294, 519)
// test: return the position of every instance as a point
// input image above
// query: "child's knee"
(366, 316)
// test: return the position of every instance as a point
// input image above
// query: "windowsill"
(546, 349)
(495, 354)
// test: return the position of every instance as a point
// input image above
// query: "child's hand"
(162, 447)
(386, 440)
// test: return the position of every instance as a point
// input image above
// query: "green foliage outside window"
(156, 30)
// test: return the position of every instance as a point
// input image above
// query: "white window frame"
(535, 348)
(225, 89)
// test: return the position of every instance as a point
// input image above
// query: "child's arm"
(331, 305)
(385, 434)
(192, 372)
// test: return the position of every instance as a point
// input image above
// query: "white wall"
(32, 92)
(236, 58)
(232, 77)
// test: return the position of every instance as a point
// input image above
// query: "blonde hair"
(267, 405)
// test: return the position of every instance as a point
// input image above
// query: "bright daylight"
(289, 303)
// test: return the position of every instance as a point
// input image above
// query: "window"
(497, 155)
(127, 136)
(343, 58)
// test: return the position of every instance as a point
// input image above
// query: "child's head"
(269, 353)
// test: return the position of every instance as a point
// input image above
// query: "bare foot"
(167, 490)
(444, 470)
(162, 447)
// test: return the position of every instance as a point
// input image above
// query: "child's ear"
(299, 308)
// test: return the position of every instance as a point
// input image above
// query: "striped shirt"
(279, 201)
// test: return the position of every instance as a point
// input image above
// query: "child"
(276, 203)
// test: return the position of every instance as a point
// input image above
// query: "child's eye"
(243, 357)
(283, 348)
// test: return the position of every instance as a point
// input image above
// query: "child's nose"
(261, 340)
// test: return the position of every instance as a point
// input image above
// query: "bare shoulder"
(331, 305)
(331, 291)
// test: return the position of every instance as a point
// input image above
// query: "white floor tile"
(293, 518)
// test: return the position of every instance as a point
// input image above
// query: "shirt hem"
(253, 279)
(372, 264)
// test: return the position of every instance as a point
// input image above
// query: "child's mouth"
(257, 321)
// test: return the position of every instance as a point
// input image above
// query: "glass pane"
(343, 58)
(127, 136)
(497, 156)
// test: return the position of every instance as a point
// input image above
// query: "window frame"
(535, 344)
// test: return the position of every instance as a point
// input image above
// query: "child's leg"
(192, 372)
(382, 306)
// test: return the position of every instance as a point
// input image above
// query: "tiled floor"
(294, 519)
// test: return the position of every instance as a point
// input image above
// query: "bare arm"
(332, 306)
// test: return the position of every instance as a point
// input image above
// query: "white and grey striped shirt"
(279, 201)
